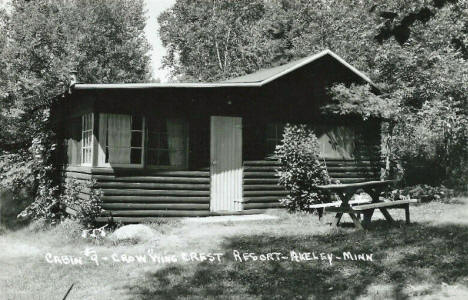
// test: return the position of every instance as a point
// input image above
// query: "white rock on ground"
(136, 232)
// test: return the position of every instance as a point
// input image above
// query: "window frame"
(89, 133)
(102, 150)
(101, 162)
(277, 139)
(169, 167)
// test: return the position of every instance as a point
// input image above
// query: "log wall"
(260, 182)
(137, 196)
(131, 196)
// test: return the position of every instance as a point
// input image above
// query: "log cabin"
(203, 149)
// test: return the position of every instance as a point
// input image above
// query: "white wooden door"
(226, 163)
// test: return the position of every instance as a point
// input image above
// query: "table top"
(347, 186)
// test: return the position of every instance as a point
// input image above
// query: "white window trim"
(91, 146)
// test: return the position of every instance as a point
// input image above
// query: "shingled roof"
(256, 79)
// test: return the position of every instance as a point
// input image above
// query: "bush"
(423, 192)
(86, 208)
(300, 169)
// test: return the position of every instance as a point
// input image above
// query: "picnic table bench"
(354, 209)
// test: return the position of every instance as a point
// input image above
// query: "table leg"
(356, 221)
(386, 214)
(337, 219)
(368, 216)
(407, 217)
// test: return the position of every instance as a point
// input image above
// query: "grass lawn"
(427, 259)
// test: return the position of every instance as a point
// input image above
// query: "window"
(274, 135)
(334, 141)
(72, 141)
(87, 139)
(120, 139)
(167, 142)
(136, 141)
(128, 139)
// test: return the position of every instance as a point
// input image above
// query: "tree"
(209, 40)
(40, 43)
(415, 52)
(103, 40)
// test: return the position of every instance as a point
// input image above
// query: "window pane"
(119, 138)
(137, 123)
(135, 156)
(136, 139)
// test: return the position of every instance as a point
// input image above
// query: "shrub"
(423, 192)
(87, 208)
(300, 169)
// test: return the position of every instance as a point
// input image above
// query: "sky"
(154, 8)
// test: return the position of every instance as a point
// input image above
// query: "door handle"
(214, 163)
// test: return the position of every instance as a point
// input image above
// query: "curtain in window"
(336, 141)
(73, 142)
(176, 142)
(119, 137)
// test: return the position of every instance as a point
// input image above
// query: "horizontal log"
(260, 168)
(262, 163)
(338, 175)
(156, 199)
(77, 169)
(156, 186)
(148, 172)
(352, 169)
(165, 179)
(260, 180)
(260, 175)
(262, 205)
(75, 175)
(261, 199)
(157, 213)
(260, 187)
(152, 206)
(135, 192)
(264, 193)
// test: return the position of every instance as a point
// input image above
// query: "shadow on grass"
(402, 255)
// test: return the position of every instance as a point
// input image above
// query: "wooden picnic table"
(374, 189)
